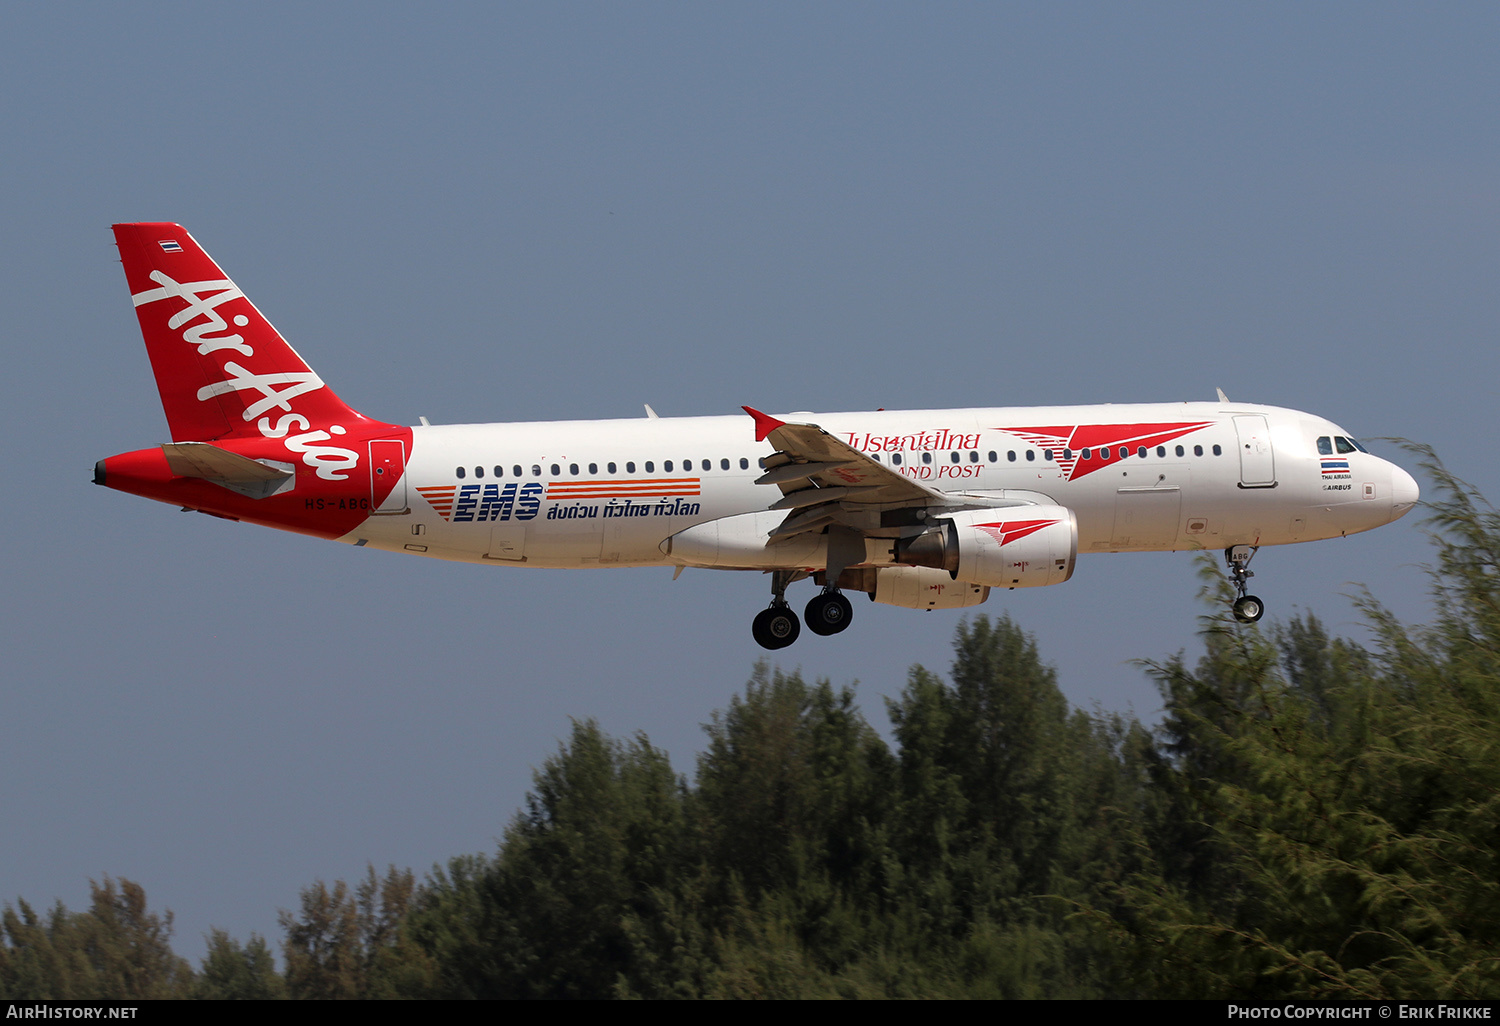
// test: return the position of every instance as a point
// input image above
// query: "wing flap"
(790, 472)
(827, 483)
(831, 463)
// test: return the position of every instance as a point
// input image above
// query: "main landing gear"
(829, 612)
(1247, 608)
(777, 626)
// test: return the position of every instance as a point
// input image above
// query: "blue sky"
(526, 212)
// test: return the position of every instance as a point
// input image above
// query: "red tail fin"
(221, 368)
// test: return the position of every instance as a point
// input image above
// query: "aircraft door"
(1257, 461)
(1146, 518)
(508, 540)
(388, 476)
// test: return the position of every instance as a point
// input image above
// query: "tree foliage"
(117, 949)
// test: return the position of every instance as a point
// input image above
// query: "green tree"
(118, 949)
(600, 840)
(994, 775)
(31, 966)
(130, 946)
(790, 783)
(238, 972)
(322, 951)
(445, 924)
(348, 943)
(792, 802)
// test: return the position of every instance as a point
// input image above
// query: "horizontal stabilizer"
(258, 479)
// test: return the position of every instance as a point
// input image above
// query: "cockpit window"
(1325, 446)
(1343, 444)
(1355, 443)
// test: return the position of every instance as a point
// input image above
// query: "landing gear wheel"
(776, 627)
(1248, 609)
(828, 613)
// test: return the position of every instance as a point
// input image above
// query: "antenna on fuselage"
(650, 412)
(1222, 397)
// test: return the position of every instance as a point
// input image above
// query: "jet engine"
(921, 587)
(1011, 547)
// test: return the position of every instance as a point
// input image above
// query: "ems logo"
(474, 502)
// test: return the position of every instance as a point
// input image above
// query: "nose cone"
(1404, 492)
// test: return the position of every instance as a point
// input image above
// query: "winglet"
(764, 423)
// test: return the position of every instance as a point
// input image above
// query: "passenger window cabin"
(1327, 445)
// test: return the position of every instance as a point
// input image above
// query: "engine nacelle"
(921, 587)
(1011, 547)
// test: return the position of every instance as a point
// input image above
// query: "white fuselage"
(1149, 477)
(922, 509)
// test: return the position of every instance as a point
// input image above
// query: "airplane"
(922, 509)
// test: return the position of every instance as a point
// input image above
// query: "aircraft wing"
(825, 481)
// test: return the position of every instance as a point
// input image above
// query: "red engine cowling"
(1012, 547)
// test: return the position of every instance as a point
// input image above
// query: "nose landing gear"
(1247, 608)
